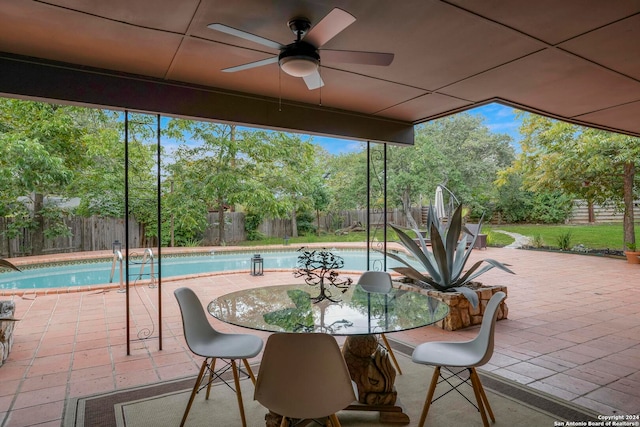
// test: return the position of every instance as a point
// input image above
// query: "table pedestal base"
(388, 413)
(373, 373)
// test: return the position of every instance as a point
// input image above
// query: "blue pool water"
(97, 273)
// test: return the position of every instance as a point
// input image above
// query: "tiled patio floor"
(573, 331)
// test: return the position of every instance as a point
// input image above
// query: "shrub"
(305, 223)
(551, 208)
(564, 240)
(191, 243)
(251, 223)
(536, 241)
(545, 207)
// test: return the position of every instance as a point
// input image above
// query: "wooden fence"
(233, 228)
(98, 233)
(87, 234)
(580, 213)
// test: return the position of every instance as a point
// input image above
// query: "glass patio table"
(357, 314)
(297, 308)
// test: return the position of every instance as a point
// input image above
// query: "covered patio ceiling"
(576, 60)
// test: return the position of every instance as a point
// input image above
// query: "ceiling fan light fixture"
(299, 59)
(299, 66)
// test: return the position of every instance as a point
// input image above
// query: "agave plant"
(445, 262)
(6, 264)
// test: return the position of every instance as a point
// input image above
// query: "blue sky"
(498, 118)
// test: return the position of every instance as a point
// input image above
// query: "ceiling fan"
(302, 57)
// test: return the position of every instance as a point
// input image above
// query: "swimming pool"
(97, 273)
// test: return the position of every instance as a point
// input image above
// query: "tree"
(320, 197)
(29, 170)
(457, 151)
(592, 164)
(142, 165)
(50, 152)
(344, 184)
(256, 170)
(210, 175)
(289, 168)
(517, 204)
(41, 145)
(347, 180)
(467, 157)
(100, 183)
(412, 175)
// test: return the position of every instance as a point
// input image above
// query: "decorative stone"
(461, 313)
(7, 323)
(465, 318)
(476, 320)
(475, 311)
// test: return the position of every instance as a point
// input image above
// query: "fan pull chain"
(279, 90)
(320, 74)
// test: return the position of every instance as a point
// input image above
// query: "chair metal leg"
(236, 380)
(334, 421)
(390, 351)
(249, 371)
(212, 367)
(432, 390)
(194, 391)
(475, 381)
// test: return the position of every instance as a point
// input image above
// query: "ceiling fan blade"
(313, 81)
(244, 35)
(255, 64)
(329, 26)
(357, 57)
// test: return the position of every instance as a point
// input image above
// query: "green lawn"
(598, 236)
(303, 240)
(593, 236)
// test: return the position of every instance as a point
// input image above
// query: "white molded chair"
(203, 340)
(467, 355)
(379, 282)
(304, 376)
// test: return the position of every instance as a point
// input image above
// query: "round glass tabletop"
(297, 308)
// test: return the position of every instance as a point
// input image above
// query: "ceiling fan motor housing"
(299, 26)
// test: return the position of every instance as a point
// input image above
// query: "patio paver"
(573, 331)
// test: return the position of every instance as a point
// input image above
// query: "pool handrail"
(117, 257)
(147, 256)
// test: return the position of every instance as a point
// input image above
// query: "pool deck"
(573, 331)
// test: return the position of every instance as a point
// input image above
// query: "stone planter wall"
(461, 313)
(7, 322)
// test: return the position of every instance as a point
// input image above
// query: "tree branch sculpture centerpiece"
(318, 267)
